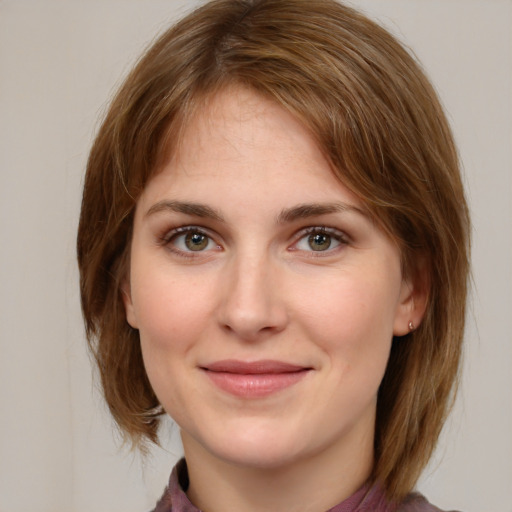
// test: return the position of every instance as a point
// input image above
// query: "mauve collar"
(175, 499)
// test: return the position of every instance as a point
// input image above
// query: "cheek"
(350, 304)
(171, 313)
(352, 321)
(170, 310)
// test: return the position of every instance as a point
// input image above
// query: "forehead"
(240, 139)
(237, 119)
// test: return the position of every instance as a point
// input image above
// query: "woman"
(273, 249)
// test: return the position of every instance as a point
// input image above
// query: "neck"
(314, 483)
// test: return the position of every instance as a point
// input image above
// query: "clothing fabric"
(366, 499)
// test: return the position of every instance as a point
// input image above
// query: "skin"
(250, 284)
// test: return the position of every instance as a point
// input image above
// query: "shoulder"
(415, 502)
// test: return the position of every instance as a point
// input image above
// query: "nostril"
(253, 325)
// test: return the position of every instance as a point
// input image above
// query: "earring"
(411, 326)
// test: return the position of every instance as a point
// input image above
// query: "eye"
(196, 241)
(320, 240)
(190, 239)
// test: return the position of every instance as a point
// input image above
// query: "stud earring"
(411, 326)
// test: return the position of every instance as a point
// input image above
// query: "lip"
(256, 379)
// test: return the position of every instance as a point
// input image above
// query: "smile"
(256, 379)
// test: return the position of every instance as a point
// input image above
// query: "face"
(265, 297)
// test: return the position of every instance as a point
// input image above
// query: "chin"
(257, 458)
(250, 448)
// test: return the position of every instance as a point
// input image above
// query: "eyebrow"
(195, 209)
(307, 210)
(287, 215)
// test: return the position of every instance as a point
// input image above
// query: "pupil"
(196, 241)
(319, 241)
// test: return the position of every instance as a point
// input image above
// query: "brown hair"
(379, 122)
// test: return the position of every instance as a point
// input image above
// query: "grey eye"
(319, 241)
(195, 241)
(192, 240)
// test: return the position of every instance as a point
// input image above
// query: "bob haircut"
(378, 121)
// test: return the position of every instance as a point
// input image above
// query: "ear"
(412, 303)
(126, 294)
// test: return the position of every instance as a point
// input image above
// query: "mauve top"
(364, 500)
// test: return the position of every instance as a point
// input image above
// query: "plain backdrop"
(60, 61)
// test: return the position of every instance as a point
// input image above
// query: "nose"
(253, 303)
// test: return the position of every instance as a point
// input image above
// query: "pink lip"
(254, 379)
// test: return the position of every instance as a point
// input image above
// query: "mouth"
(255, 379)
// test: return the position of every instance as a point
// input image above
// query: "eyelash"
(335, 234)
(169, 240)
